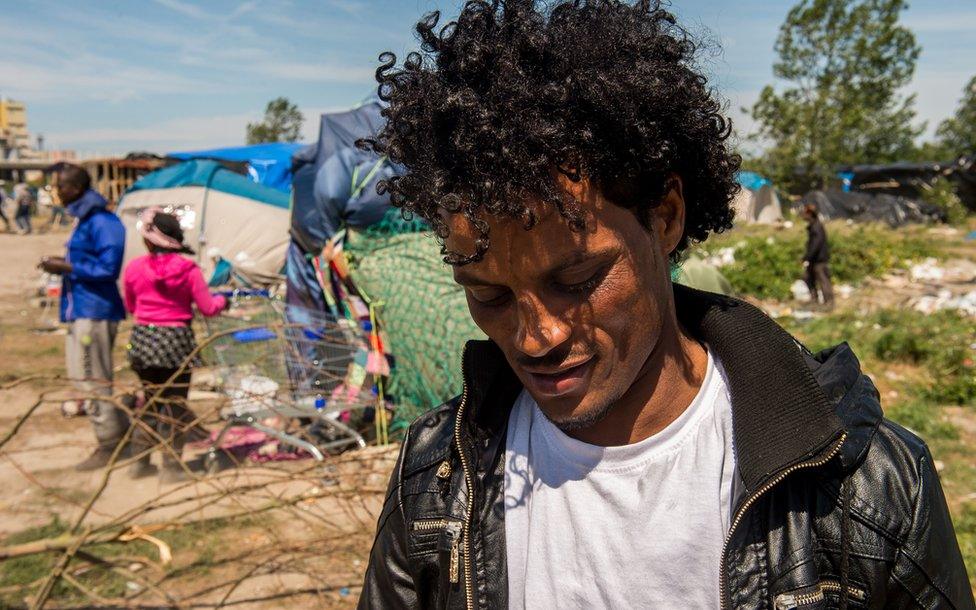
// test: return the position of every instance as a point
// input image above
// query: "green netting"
(423, 311)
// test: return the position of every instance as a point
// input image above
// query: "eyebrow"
(465, 278)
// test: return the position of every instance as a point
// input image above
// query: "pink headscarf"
(153, 235)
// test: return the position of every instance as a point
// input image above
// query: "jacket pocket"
(440, 538)
(825, 594)
(425, 534)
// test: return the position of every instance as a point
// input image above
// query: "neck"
(666, 386)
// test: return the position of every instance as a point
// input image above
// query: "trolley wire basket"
(288, 372)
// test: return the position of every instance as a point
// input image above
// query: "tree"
(845, 62)
(957, 135)
(282, 123)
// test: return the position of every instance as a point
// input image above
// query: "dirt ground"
(272, 550)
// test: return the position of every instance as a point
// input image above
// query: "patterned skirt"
(165, 347)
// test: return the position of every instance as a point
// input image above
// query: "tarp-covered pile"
(911, 180)
(866, 207)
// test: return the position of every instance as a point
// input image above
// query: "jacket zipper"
(431, 525)
(469, 481)
(787, 601)
(426, 525)
(723, 578)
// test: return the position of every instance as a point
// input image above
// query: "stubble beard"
(591, 417)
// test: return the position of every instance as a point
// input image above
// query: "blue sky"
(162, 75)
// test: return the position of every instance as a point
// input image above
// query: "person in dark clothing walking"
(621, 441)
(25, 205)
(816, 260)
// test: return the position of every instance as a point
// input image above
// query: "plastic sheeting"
(268, 164)
(912, 179)
(895, 211)
(752, 180)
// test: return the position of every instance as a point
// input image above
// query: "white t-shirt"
(637, 526)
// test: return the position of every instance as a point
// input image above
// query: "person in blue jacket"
(91, 303)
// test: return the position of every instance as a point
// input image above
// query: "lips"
(560, 382)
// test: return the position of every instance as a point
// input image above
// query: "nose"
(539, 330)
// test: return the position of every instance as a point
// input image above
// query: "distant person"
(25, 204)
(91, 304)
(816, 260)
(160, 290)
(3, 204)
(47, 200)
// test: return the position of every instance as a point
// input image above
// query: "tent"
(756, 202)
(224, 215)
(268, 164)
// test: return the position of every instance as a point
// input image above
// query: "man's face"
(577, 314)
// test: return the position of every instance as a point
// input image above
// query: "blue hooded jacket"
(95, 252)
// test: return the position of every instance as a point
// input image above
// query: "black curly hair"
(498, 101)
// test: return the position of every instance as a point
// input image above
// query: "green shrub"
(943, 195)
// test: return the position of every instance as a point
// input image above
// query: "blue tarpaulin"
(212, 175)
(752, 180)
(268, 164)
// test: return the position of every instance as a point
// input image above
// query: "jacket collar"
(89, 201)
(781, 413)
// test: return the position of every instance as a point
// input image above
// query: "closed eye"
(585, 285)
(491, 297)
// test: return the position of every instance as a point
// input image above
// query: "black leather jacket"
(835, 498)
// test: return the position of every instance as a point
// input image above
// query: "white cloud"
(185, 8)
(93, 78)
(175, 134)
(315, 72)
(185, 133)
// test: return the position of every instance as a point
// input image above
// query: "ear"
(668, 216)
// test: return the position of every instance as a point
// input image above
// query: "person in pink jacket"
(161, 288)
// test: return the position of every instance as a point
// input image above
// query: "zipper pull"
(785, 601)
(444, 470)
(454, 570)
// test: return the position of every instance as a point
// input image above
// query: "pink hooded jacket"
(160, 289)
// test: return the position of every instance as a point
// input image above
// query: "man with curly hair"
(622, 441)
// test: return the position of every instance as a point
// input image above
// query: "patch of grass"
(939, 342)
(924, 419)
(22, 571)
(767, 263)
(965, 524)
(197, 543)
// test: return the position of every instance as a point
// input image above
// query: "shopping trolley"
(289, 372)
